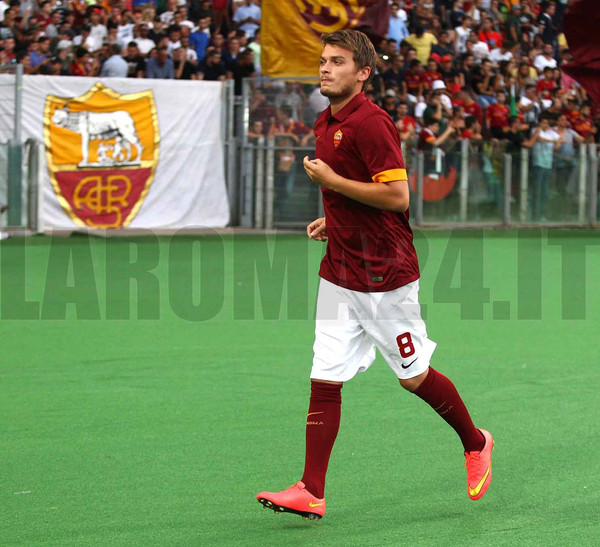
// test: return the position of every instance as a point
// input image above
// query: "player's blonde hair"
(363, 51)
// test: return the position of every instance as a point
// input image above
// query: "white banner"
(125, 152)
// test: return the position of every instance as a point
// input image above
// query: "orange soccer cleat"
(479, 467)
(295, 499)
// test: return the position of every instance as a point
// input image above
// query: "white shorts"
(351, 324)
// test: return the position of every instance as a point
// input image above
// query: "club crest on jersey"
(337, 138)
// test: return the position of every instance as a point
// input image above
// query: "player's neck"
(338, 103)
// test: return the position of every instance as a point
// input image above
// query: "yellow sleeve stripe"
(390, 175)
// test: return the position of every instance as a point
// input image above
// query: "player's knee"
(412, 384)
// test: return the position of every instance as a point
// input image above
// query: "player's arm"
(391, 196)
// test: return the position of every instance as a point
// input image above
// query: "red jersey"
(429, 77)
(583, 126)
(572, 116)
(368, 249)
(472, 109)
(545, 85)
(498, 115)
(413, 80)
(406, 122)
(492, 38)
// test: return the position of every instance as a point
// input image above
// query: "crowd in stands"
(447, 69)
(169, 39)
(482, 70)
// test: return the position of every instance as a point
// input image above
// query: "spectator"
(406, 124)
(183, 69)
(199, 40)
(497, 116)
(144, 43)
(565, 157)
(429, 139)
(174, 40)
(470, 107)
(548, 29)
(444, 47)
(389, 103)
(546, 83)
(397, 28)
(422, 42)
(514, 33)
(430, 75)
(414, 84)
(83, 64)
(293, 97)
(51, 31)
(247, 17)
(515, 137)
(98, 31)
(212, 68)
(220, 14)
(484, 83)
(457, 15)
(190, 52)
(230, 55)
(136, 63)
(545, 59)
(472, 130)
(584, 125)
(500, 54)
(40, 54)
(256, 130)
(525, 75)
(287, 133)
(160, 66)
(449, 75)
(544, 141)
(530, 106)
(242, 67)
(463, 31)
(394, 76)
(255, 47)
(168, 16)
(115, 66)
(488, 35)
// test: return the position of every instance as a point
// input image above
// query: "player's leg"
(341, 350)
(401, 336)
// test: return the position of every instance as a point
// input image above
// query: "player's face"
(339, 75)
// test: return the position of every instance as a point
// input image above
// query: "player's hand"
(317, 230)
(320, 172)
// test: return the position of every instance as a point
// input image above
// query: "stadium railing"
(462, 183)
(18, 159)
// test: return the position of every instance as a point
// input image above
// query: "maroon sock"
(322, 425)
(439, 392)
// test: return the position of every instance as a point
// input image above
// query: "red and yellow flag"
(291, 30)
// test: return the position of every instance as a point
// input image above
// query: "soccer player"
(369, 287)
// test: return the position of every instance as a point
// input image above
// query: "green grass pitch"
(116, 430)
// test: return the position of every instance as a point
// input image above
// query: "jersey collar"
(349, 108)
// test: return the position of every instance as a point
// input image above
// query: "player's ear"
(364, 73)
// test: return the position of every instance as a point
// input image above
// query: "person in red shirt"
(470, 106)
(412, 77)
(571, 111)
(584, 124)
(405, 124)
(547, 83)
(430, 75)
(368, 292)
(488, 35)
(497, 116)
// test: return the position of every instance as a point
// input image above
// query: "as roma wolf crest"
(102, 151)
